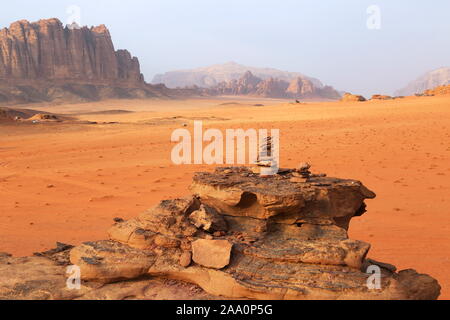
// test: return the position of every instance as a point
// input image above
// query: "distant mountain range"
(211, 76)
(430, 80)
(235, 79)
(251, 85)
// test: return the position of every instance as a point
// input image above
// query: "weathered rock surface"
(335, 201)
(46, 62)
(214, 254)
(108, 261)
(283, 240)
(208, 219)
(41, 278)
(47, 50)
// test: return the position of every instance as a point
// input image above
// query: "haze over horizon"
(328, 40)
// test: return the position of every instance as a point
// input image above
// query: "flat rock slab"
(240, 192)
(251, 277)
(214, 254)
(40, 278)
(340, 253)
(109, 261)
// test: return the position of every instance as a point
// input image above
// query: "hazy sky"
(327, 39)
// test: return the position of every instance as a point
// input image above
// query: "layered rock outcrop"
(48, 50)
(298, 88)
(45, 61)
(242, 235)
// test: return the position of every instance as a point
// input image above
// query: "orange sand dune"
(66, 182)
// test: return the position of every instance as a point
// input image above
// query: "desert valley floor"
(67, 181)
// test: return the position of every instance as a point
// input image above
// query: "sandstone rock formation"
(249, 84)
(47, 50)
(29, 115)
(274, 239)
(47, 62)
(348, 97)
(214, 254)
(45, 278)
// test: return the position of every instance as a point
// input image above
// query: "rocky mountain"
(48, 50)
(46, 61)
(430, 80)
(213, 75)
(297, 88)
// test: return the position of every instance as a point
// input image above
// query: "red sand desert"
(67, 182)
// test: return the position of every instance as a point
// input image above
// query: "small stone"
(208, 219)
(214, 254)
(110, 261)
(186, 259)
(118, 220)
(219, 234)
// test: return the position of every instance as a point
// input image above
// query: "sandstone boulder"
(208, 219)
(162, 226)
(108, 261)
(240, 192)
(41, 278)
(348, 97)
(186, 259)
(212, 253)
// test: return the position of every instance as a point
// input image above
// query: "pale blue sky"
(327, 39)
